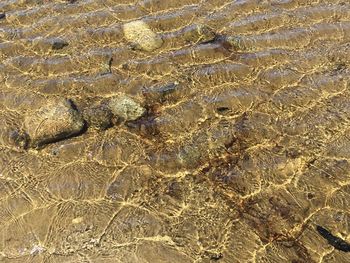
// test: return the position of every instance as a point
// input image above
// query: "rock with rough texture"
(198, 33)
(52, 122)
(126, 108)
(235, 42)
(18, 138)
(98, 117)
(142, 37)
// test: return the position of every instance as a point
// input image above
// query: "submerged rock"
(58, 43)
(18, 138)
(160, 93)
(52, 122)
(125, 108)
(98, 117)
(198, 33)
(46, 44)
(140, 34)
(235, 42)
(13, 137)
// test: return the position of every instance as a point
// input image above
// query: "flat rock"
(125, 107)
(54, 121)
(142, 37)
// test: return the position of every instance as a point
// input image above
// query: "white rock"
(140, 34)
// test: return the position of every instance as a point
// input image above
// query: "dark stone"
(223, 110)
(98, 117)
(214, 255)
(58, 44)
(167, 89)
(334, 241)
(310, 196)
(46, 44)
(20, 139)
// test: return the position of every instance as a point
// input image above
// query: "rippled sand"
(241, 153)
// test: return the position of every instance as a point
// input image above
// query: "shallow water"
(242, 152)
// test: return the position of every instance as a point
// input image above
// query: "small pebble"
(126, 108)
(58, 44)
(198, 33)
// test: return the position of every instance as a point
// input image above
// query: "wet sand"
(174, 131)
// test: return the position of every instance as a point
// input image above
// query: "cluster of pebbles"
(60, 118)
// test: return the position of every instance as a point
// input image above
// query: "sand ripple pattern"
(235, 150)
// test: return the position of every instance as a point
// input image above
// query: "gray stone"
(46, 44)
(125, 108)
(54, 121)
